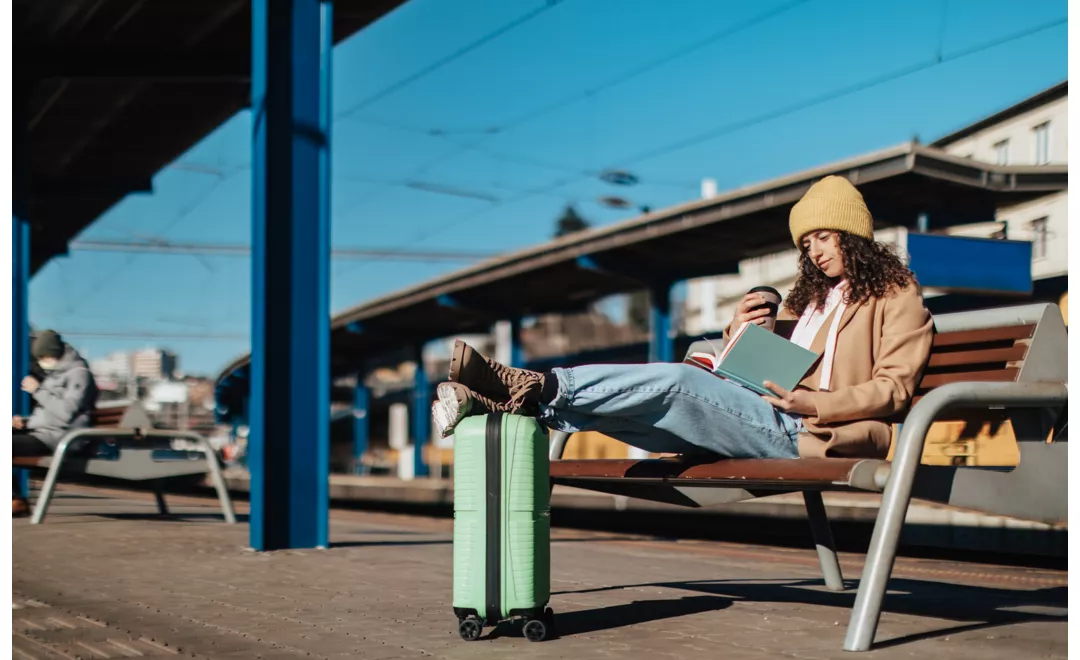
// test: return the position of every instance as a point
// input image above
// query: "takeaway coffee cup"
(772, 302)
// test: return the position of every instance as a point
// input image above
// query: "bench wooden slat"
(746, 472)
(986, 356)
(933, 380)
(107, 417)
(983, 336)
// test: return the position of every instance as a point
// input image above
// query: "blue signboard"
(973, 265)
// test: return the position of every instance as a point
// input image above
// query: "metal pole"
(290, 381)
(421, 414)
(661, 344)
(20, 280)
(361, 423)
(517, 350)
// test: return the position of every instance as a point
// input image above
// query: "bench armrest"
(909, 446)
(901, 479)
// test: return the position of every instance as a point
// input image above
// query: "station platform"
(106, 577)
(852, 515)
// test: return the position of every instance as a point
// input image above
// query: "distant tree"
(569, 223)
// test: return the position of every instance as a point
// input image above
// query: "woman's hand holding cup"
(759, 306)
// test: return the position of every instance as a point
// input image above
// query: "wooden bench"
(1004, 363)
(121, 443)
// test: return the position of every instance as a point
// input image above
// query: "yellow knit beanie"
(832, 203)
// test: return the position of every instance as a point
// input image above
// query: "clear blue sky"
(527, 118)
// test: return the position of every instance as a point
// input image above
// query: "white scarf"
(810, 324)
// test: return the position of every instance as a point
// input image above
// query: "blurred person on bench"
(858, 307)
(65, 395)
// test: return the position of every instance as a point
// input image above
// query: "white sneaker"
(453, 405)
(444, 420)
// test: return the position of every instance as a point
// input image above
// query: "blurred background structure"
(557, 181)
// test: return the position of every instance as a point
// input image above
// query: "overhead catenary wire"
(182, 213)
(434, 66)
(237, 250)
(793, 108)
(457, 54)
(723, 33)
(841, 92)
(618, 79)
(938, 59)
(154, 334)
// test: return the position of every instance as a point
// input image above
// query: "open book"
(755, 355)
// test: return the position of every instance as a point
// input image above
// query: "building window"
(1038, 238)
(1042, 143)
(1001, 152)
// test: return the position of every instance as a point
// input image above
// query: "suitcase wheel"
(470, 629)
(537, 630)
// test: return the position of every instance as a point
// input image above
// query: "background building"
(1032, 132)
(147, 363)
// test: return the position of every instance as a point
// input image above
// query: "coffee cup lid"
(765, 289)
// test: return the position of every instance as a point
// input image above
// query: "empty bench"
(121, 443)
(1009, 363)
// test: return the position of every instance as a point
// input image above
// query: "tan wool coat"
(882, 347)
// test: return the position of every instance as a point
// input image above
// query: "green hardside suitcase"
(502, 525)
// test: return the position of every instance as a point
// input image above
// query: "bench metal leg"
(219, 481)
(555, 451)
(159, 495)
(823, 539)
(558, 445)
(49, 486)
(880, 557)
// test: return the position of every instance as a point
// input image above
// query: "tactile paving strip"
(42, 632)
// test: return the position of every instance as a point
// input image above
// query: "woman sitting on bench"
(858, 306)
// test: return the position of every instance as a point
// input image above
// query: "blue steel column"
(20, 280)
(421, 414)
(661, 343)
(361, 422)
(322, 379)
(290, 380)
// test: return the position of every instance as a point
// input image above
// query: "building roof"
(1054, 93)
(114, 91)
(699, 238)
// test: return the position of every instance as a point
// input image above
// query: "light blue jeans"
(677, 408)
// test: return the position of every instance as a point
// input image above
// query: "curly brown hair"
(872, 270)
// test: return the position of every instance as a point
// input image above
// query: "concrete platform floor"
(105, 577)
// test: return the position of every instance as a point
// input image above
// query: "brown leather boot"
(519, 387)
(20, 508)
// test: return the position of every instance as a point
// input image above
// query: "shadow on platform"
(583, 622)
(982, 607)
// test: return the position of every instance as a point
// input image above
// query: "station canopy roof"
(695, 239)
